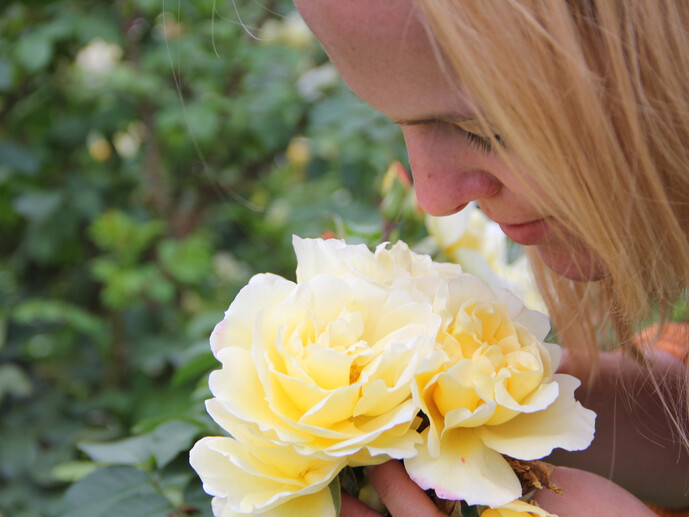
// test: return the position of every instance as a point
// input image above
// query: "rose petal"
(465, 418)
(465, 470)
(319, 504)
(251, 483)
(336, 407)
(261, 293)
(517, 509)
(237, 385)
(565, 424)
(333, 257)
(542, 397)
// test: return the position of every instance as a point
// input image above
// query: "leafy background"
(153, 156)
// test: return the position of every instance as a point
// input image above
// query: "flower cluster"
(479, 245)
(338, 368)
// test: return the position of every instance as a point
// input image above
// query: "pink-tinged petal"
(529, 436)
(263, 292)
(517, 509)
(465, 470)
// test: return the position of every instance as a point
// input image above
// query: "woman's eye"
(481, 143)
(475, 136)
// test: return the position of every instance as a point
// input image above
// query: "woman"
(567, 120)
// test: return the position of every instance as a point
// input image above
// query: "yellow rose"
(250, 475)
(323, 367)
(516, 509)
(396, 265)
(490, 389)
(479, 245)
(469, 236)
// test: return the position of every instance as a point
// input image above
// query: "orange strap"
(675, 340)
(664, 512)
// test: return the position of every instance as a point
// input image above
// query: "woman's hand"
(635, 445)
(401, 496)
(583, 494)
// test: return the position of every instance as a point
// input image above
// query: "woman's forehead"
(383, 51)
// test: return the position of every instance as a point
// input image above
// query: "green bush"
(153, 156)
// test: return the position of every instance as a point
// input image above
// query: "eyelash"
(479, 142)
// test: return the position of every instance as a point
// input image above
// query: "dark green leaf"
(106, 491)
(334, 487)
(7, 75)
(34, 51)
(161, 445)
(18, 157)
(14, 381)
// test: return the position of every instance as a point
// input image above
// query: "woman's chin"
(577, 265)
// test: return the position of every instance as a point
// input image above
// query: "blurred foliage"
(153, 156)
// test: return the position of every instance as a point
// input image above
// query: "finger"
(399, 493)
(602, 496)
(352, 507)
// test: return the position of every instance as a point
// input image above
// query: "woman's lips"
(527, 234)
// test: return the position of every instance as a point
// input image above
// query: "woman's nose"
(448, 173)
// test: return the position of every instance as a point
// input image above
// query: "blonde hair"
(592, 98)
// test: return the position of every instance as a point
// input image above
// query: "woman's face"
(383, 53)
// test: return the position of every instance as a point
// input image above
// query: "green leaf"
(114, 491)
(334, 487)
(18, 158)
(7, 75)
(3, 328)
(198, 500)
(36, 311)
(161, 445)
(203, 121)
(194, 368)
(72, 471)
(129, 451)
(14, 381)
(189, 260)
(145, 505)
(201, 326)
(157, 286)
(34, 51)
(119, 232)
(470, 511)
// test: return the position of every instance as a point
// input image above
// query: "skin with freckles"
(383, 52)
